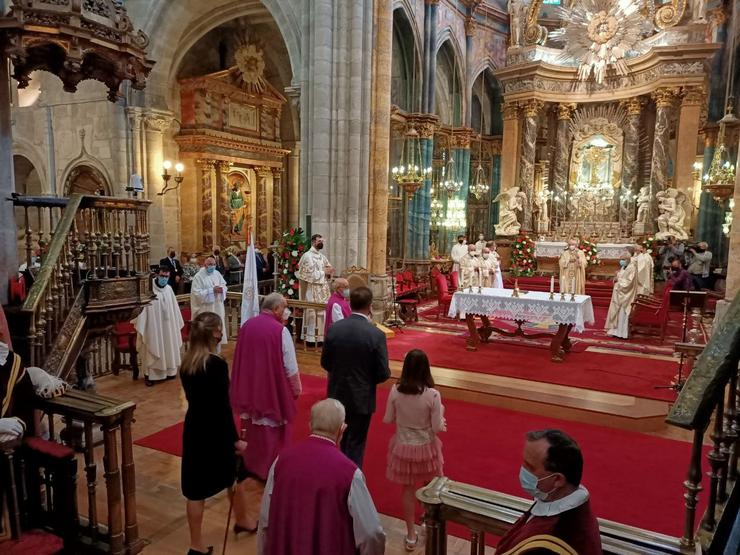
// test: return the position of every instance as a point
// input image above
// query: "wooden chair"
(124, 342)
(187, 317)
(649, 313)
(444, 297)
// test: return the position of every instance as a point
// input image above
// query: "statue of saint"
(672, 215)
(698, 11)
(643, 205)
(237, 204)
(516, 9)
(511, 201)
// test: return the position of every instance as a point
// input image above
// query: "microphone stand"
(394, 321)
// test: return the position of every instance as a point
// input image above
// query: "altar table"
(533, 306)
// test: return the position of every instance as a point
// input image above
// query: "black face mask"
(216, 252)
(319, 246)
(461, 241)
(699, 250)
(172, 254)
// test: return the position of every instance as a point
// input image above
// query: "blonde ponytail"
(202, 342)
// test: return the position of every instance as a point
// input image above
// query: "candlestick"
(552, 284)
(573, 286)
(562, 295)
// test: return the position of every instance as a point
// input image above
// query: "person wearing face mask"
(338, 306)
(644, 268)
(458, 251)
(480, 243)
(572, 269)
(491, 270)
(699, 265)
(561, 519)
(678, 278)
(265, 384)
(208, 293)
(158, 329)
(623, 295)
(314, 273)
(470, 269)
(175, 268)
(314, 473)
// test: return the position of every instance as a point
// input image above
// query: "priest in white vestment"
(623, 295)
(208, 293)
(491, 263)
(572, 269)
(458, 251)
(645, 267)
(158, 329)
(470, 269)
(314, 272)
(480, 244)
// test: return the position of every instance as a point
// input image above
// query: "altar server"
(208, 293)
(265, 384)
(644, 267)
(338, 306)
(470, 268)
(158, 331)
(623, 294)
(314, 272)
(458, 251)
(573, 269)
(480, 243)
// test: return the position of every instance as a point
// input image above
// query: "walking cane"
(239, 465)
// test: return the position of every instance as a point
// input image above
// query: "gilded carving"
(534, 33)
(692, 96)
(665, 97)
(670, 14)
(510, 110)
(633, 106)
(565, 111)
(532, 108)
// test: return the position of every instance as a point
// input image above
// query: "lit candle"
(552, 284)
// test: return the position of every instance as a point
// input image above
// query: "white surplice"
(458, 251)
(470, 271)
(204, 299)
(158, 334)
(623, 294)
(312, 272)
(645, 267)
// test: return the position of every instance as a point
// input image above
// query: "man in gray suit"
(355, 355)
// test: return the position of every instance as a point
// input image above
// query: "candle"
(552, 284)
(573, 288)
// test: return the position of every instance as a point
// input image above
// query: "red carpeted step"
(33, 542)
(483, 446)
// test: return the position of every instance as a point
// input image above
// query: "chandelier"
(437, 213)
(479, 187)
(719, 181)
(409, 174)
(727, 224)
(455, 216)
(449, 182)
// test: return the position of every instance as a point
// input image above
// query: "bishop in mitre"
(208, 293)
(573, 269)
(314, 272)
(623, 294)
(644, 267)
(470, 269)
(158, 330)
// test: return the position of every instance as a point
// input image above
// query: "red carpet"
(617, 463)
(598, 371)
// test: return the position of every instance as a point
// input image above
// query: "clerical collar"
(552, 508)
(317, 436)
(365, 316)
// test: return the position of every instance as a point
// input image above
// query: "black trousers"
(355, 436)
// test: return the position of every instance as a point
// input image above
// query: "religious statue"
(512, 201)
(237, 204)
(543, 216)
(699, 11)
(643, 205)
(516, 9)
(672, 215)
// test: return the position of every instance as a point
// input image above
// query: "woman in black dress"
(210, 443)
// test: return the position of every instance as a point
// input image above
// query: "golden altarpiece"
(230, 139)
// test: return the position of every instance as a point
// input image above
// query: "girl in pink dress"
(415, 451)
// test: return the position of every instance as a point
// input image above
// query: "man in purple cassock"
(338, 306)
(316, 501)
(265, 384)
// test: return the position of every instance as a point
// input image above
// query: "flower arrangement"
(590, 251)
(523, 261)
(292, 245)
(649, 244)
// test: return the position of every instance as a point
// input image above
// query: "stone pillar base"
(380, 285)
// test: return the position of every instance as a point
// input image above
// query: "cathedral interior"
(133, 129)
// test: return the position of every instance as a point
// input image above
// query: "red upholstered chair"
(124, 342)
(400, 285)
(649, 313)
(444, 297)
(455, 280)
(187, 317)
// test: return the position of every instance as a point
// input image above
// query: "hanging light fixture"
(480, 187)
(450, 182)
(719, 181)
(455, 217)
(409, 174)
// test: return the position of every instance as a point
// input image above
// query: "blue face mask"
(623, 263)
(529, 482)
(162, 281)
(345, 293)
(210, 269)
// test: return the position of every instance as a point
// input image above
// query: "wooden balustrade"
(113, 529)
(91, 240)
(710, 397)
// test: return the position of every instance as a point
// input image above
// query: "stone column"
(430, 50)
(223, 210)
(733, 256)
(461, 152)
(562, 158)
(380, 132)
(630, 160)
(277, 204)
(510, 145)
(526, 162)
(664, 100)
(687, 137)
(164, 222)
(294, 184)
(264, 223)
(420, 206)
(8, 232)
(135, 120)
(207, 186)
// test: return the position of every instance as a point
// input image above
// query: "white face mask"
(572, 247)
(286, 314)
(486, 255)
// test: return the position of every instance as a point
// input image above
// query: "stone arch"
(410, 65)
(26, 150)
(450, 88)
(486, 89)
(27, 182)
(86, 176)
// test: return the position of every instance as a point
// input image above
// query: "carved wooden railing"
(711, 398)
(94, 262)
(482, 511)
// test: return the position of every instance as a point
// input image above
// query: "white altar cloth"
(535, 307)
(553, 249)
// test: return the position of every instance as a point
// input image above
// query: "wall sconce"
(167, 176)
